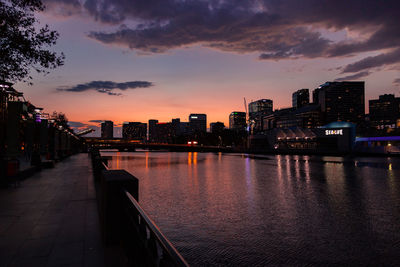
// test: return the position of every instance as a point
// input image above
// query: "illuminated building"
(237, 121)
(134, 131)
(385, 111)
(341, 101)
(257, 110)
(107, 128)
(198, 123)
(300, 98)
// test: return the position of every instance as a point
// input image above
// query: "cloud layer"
(106, 87)
(276, 29)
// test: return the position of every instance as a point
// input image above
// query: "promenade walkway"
(51, 218)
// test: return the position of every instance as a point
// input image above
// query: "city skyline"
(160, 78)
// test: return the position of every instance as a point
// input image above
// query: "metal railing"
(139, 236)
(158, 248)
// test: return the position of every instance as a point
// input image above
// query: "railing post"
(113, 181)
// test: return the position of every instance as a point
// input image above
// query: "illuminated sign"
(193, 117)
(334, 132)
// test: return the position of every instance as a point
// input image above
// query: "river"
(242, 210)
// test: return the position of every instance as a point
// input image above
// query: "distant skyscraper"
(237, 121)
(134, 131)
(107, 129)
(258, 109)
(342, 101)
(198, 123)
(385, 111)
(152, 130)
(300, 98)
(217, 127)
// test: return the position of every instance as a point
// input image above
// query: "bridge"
(132, 145)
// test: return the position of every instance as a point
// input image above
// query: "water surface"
(239, 210)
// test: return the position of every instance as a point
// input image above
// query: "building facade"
(198, 123)
(134, 131)
(300, 98)
(217, 127)
(342, 101)
(237, 121)
(107, 129)
(257, 110)
(385, 112)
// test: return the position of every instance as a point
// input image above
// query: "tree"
(23, 44)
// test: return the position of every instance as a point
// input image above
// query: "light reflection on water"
(241, 210)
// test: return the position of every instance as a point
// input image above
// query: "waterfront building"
(107, 129)
(237, 121)
(217, 127)
(152, 130)
(134, 131)
(198, 123)
(164, 132)
(385, 112)
(300, 98)
(341, 101)
(306, 117)
(257, 110)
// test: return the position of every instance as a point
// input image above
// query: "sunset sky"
(135, 60)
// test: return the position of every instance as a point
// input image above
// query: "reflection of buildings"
(385, 112)
(107, 130)
(198, 123)
(134, 131)
(237, 121)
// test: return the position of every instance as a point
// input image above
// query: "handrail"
(105, 166)
(162, 240)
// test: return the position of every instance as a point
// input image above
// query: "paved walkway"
(51, 219)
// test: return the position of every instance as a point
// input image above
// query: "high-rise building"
(176, 126)
(107, 129)
(198, 123)
(134, 131)
(152, 130)
(300, 98)
(237, 121)
(385, 111)
(342, 101)
(217, 127)
(257, 110)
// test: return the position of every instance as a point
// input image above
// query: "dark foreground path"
(51, 218)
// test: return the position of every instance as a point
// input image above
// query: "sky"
(135, 60)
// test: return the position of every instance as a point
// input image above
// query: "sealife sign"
(334, 132)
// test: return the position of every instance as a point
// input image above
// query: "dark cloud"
(63, 7)
(276, 29)
(397, 81)
(373, 62)
(354, 76)
(97, 121)
(106, 87)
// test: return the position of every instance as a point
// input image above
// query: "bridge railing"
(126, 224)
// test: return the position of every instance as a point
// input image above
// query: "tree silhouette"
(24, 45)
